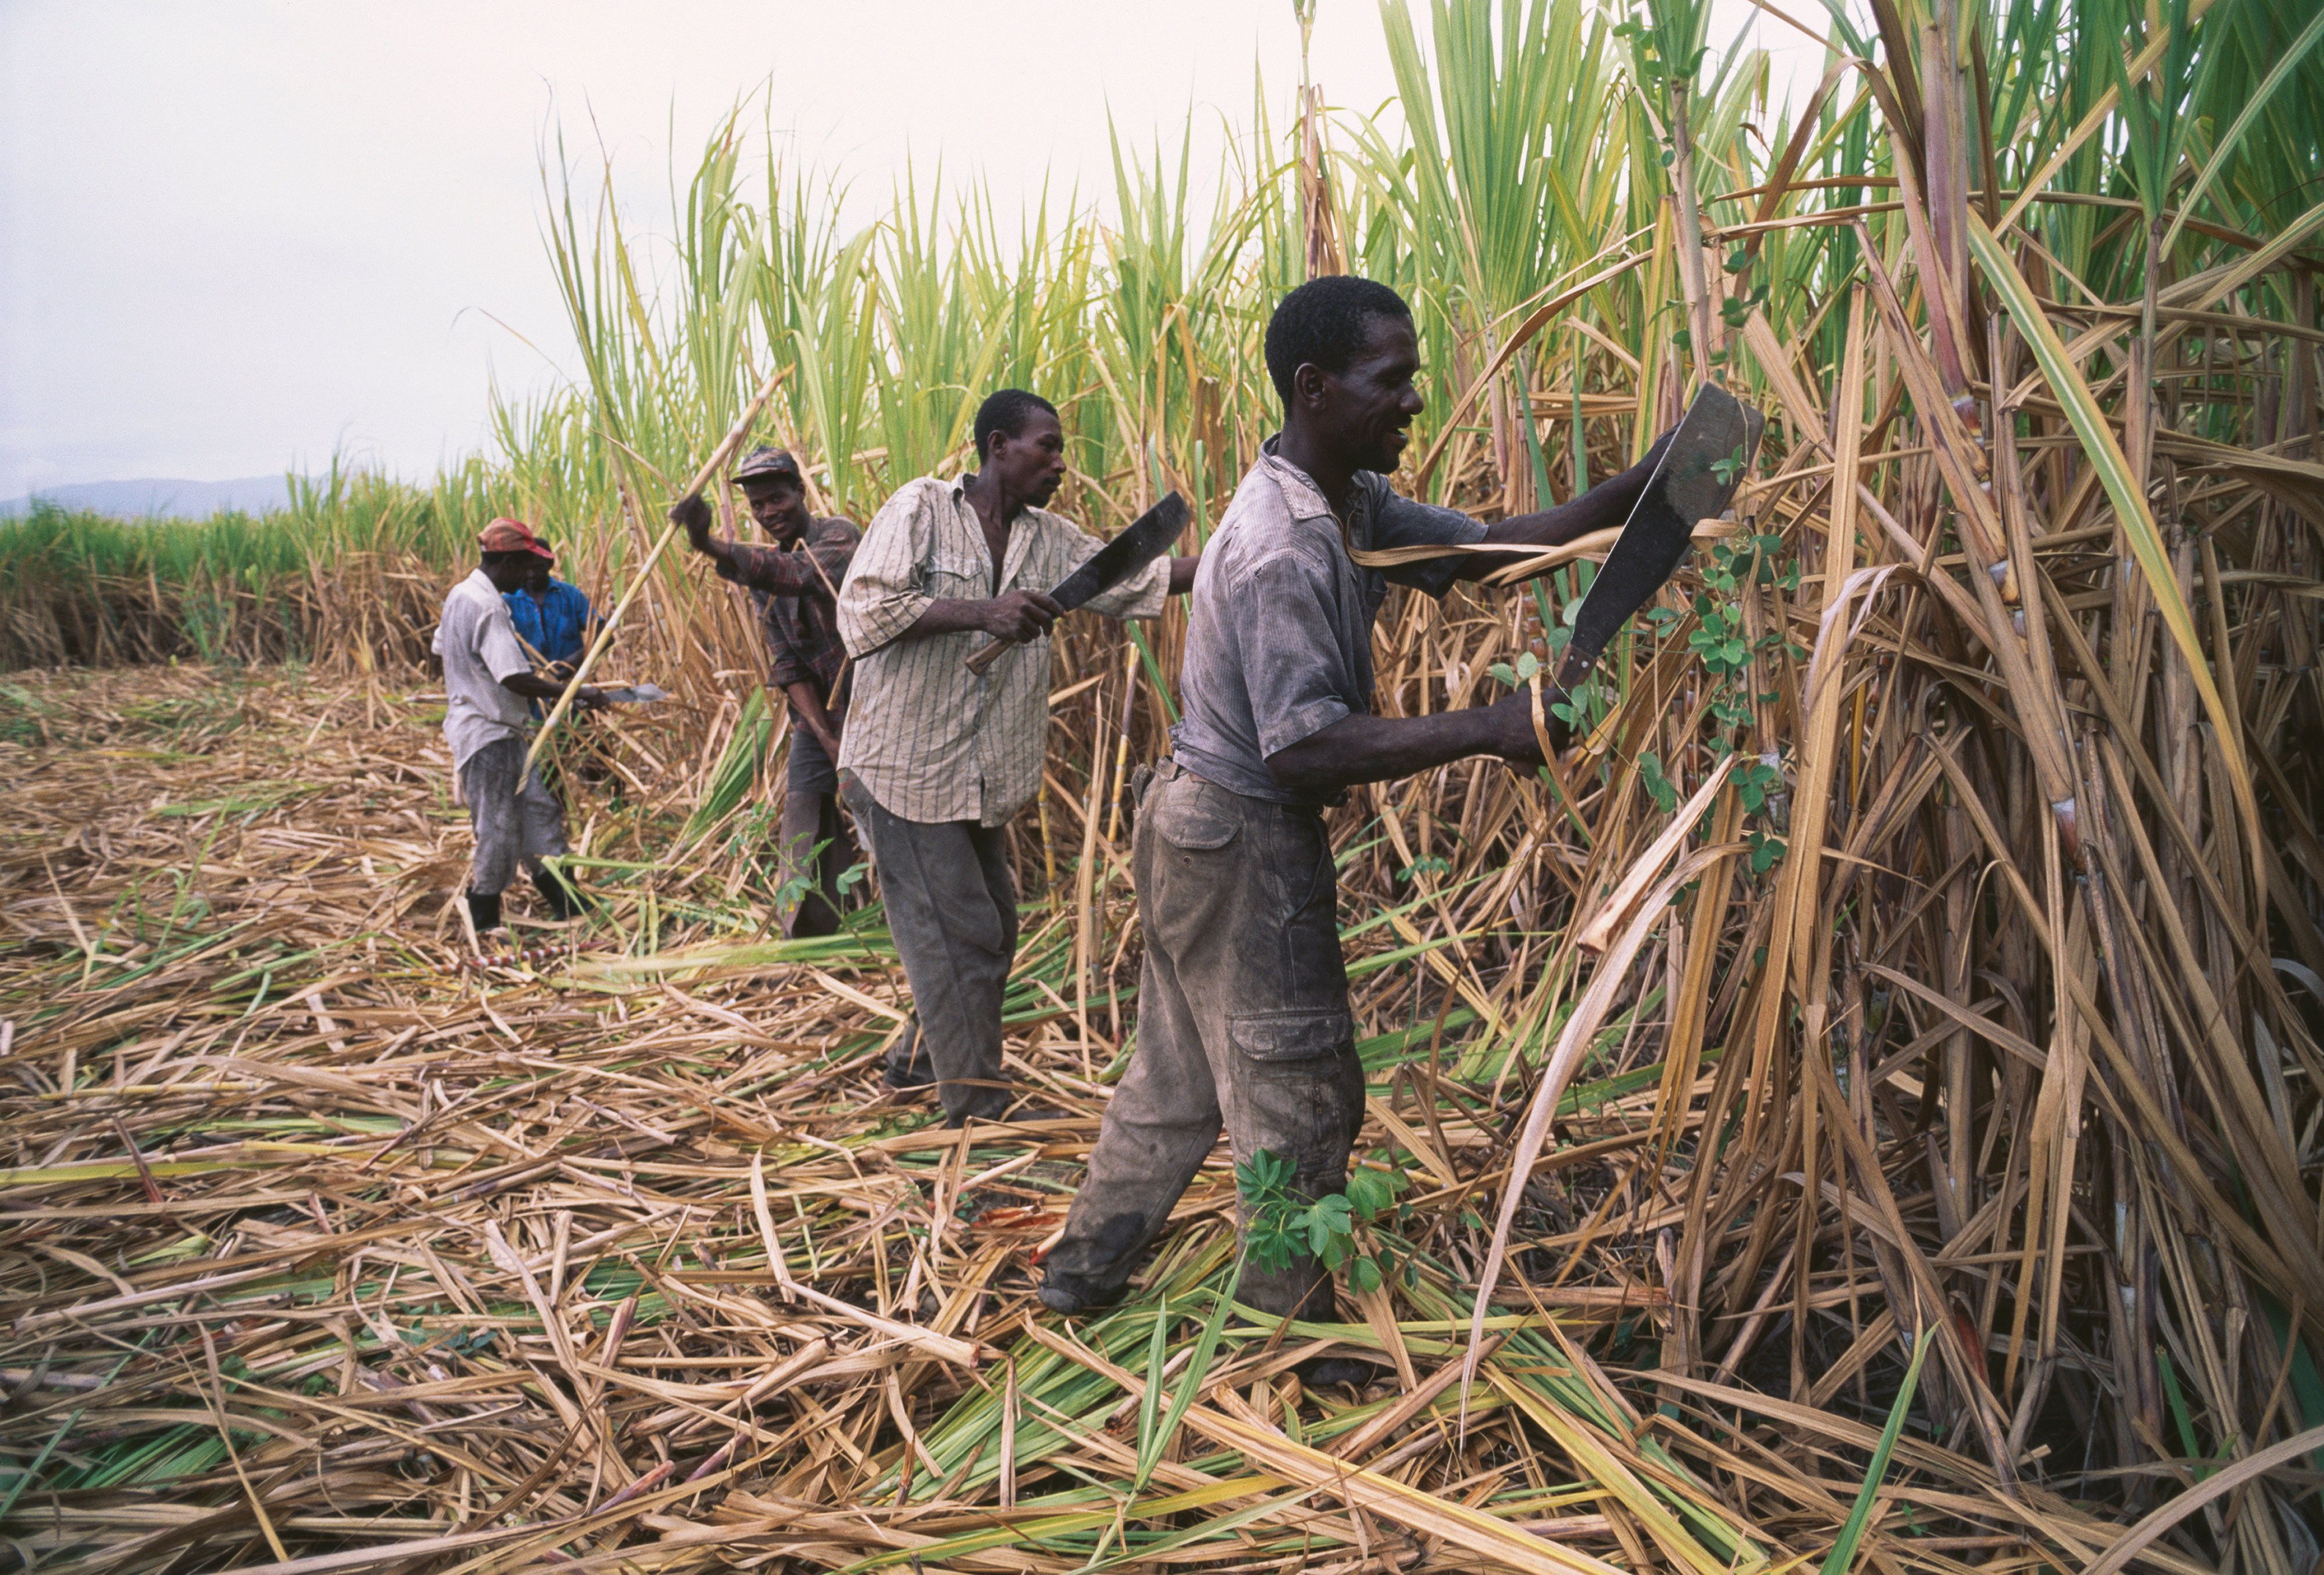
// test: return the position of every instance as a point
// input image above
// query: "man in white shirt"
(487, 682)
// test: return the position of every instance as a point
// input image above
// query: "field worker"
(488, 679)
(551, 616)
(1243, 1002)
(936, 758)
(793, 583)
(554, 619)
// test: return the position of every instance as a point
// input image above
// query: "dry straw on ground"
(323, 1256)
(1904, 1009)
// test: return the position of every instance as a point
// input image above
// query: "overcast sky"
(236, 236)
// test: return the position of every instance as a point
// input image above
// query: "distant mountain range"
(161, 497)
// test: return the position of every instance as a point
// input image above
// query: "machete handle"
(1573, 671)
(988, 656)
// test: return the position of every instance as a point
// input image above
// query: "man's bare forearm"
(532, 687)
(946, 615)
(1380, 749)
(1601, 508)
(1017, 615)
(806, 699)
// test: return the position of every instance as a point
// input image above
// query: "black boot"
(484, 912)
(564, 902)
(908, 1071)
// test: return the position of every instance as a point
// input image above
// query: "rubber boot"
(484, 912)
(564, 902)
(908, 1071)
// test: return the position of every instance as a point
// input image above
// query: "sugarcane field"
(1571, 824)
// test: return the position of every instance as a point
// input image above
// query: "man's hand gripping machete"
(1147, 539)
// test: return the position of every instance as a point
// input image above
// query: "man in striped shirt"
(936, 758)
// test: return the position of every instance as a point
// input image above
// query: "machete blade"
(1686, 488)
(1148, 538)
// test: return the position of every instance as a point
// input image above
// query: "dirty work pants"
(1242, 1021)
(514, 816)
(952, 909)
(815, 845)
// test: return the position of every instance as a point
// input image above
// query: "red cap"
(506, 535)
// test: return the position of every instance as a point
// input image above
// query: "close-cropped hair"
(1325, 322)
(1006, 411)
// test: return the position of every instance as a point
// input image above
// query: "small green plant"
(1568, 709)
(1284, 1226)
(23, 715)
(1528, 665)
(1757, 779)
(1659, 786)
(1719, 638)
(793, 891)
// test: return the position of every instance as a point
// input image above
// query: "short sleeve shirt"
(556, 626)
(930, 740)
(1279, 643)
(479, 648)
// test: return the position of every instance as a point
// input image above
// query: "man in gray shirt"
(1242, 1006)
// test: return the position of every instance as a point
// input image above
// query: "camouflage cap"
(766, 462)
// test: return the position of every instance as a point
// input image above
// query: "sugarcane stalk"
(710, 467)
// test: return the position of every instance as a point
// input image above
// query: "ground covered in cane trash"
(323, 1248)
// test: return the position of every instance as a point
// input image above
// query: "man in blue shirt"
(553, 618)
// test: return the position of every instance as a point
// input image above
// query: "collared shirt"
(558, 626)
(929, 739)
(793, 591)
(479, 648)
(1279, 644)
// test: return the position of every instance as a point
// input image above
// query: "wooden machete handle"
(988, 656)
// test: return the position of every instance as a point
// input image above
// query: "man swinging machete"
(946, 740)
(1243, 1018)
(794, 583)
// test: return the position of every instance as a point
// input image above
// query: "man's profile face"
(507, 573)
(1031, 464)
(1368, 409)
(779, 504)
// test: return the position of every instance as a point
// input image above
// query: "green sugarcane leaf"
(1190, 1383)
(2260, 98)
(1843, 1552)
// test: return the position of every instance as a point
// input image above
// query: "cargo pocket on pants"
(1293, 1044)
(1301, 1094)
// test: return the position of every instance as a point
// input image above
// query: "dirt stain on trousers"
(1242, 1023)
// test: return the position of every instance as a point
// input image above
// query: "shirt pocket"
(958, 576)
